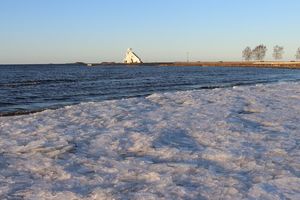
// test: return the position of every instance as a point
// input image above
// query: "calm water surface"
(32, 88)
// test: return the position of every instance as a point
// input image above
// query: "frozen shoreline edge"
(30, 112)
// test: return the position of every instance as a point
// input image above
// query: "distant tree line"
(260, 52)
(278, 52)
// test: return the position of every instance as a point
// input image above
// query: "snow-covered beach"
(227, 143)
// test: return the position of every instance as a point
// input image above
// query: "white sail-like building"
(132, 58)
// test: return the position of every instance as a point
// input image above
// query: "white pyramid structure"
(132, 58)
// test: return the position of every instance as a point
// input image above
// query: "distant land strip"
(266, 64)
(263, 64)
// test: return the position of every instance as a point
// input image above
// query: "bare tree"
(259, 53)
(278, 52)
(298, 54)
(247, 53)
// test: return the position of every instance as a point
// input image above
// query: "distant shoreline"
(260, 64)
(264, 64)
(254, 64)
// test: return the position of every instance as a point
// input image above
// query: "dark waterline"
(32, 88)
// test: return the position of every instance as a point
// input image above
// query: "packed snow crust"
(234, 143)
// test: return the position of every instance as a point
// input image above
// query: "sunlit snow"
(234, 143)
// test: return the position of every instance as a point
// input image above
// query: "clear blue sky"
(58, 31)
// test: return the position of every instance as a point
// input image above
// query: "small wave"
(37, 82)
(4, 104)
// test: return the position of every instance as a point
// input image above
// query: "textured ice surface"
(235, 143)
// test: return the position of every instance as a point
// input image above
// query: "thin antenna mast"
(187, 56)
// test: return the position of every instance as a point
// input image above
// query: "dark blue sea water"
(31, 88)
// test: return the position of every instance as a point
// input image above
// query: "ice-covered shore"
(234, 143)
